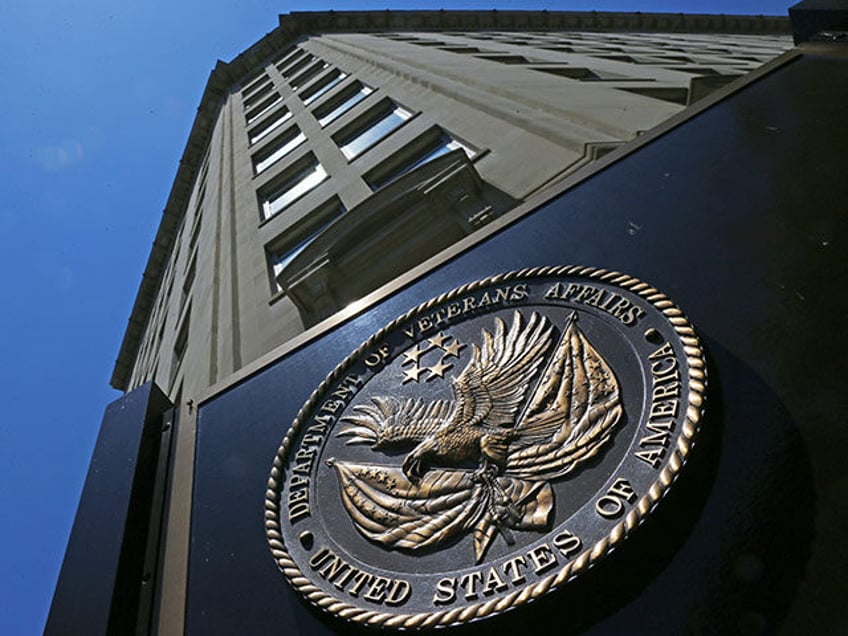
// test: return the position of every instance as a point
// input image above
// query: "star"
(411, 375)
(453, 349)
(438, 340)
(438, 369)
(414, 354)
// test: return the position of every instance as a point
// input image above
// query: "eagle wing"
(494, 384)
(388, 420)
(571, 414)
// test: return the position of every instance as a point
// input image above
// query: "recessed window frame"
(288, 56)
(195, 233)
(180, 345)
(297, 66)
(282, 250)
(505, 58)
(322, 85)
(308, 73)
(268, 125)
(188, 282)
(433, 143)
(372, 127)
(279, 147)
(255, 85)
(302, 177)
(262, 108)
(342, 102)
(264, 91)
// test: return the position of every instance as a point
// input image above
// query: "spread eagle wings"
(570, 415)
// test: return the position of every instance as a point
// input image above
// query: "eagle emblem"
(531, 405)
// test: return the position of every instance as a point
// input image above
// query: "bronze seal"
(485, 448)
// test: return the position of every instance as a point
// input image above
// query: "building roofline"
(297, 24)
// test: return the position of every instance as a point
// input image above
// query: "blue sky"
(98, 101)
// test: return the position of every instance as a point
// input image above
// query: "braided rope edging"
(696, 380)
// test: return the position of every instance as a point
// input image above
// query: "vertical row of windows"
(148, 358)
(276, 135)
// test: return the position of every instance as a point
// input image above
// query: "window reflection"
(386, 121)
(356, 95)
(270, 125)
(292, 188)
(321, 86)
(442, 145)
(284, 147)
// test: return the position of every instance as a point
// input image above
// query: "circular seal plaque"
(485, 448)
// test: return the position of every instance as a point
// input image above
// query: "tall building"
(353, 168)
(343, 149)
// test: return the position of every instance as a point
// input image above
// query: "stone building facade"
(344, 149)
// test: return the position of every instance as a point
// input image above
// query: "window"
(187, 283)
(264, 91)
(308, 74)
(321, 86)
(422, 150)
(371, 128)
(346, 100)
(291, 69)
(262, 108)
(195, 233)
(296, 239)
(278, 149)
(571, 72)
(505, 59)
(269, 125)
(254, 86)
(293, 184)
(461, 49)
(289, 56)
(180, 346)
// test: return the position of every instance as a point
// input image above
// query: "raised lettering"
(567, 543)
(611, 504)
(554, 291)
(512, 569)
(359, 582)
(542, 558)
(632, 315)
(652, 456)
(664, 351)
(377, 589)
(519, 292)
(470, 582)
(445, 591)
(398, 593)
(494, 582)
